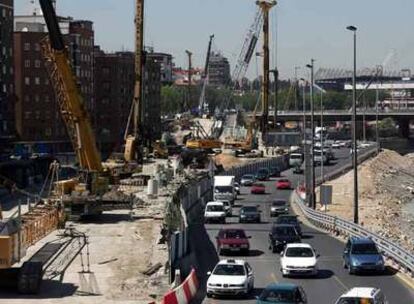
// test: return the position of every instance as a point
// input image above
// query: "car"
(231, 240)
(367, 295)
(249, 214)
(215, 212)
(230, 277)
(297, 170)
(228, 208)
(258, 188)
(290, 220)
(279, 206)
(282, 234)
(298, 259)
(274, 171)
(282, 293)
(362, 255)
(247, 180)
(237, 187)
(336, 145)
(283, 183)
(262, 174)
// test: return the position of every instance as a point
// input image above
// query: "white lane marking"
(341, 283)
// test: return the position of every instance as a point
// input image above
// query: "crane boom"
(71, 104)
(201, 105)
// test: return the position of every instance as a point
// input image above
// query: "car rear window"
(284, 231)
(249, 209)
(215, 208)
(229, 270)
(283, 180)
(355, 301)
(247, 177)
(299, 252)
(234, 234)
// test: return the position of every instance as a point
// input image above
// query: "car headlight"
(286, 209)
(243, 216)
(355, 263)
(380, 262)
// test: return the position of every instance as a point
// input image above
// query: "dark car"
(279, 206)
(249, 214)
(231, 240)
(290, 220)
(362, 255)
(274, 172)
(284, 293)
(262, 174)
(280, 235)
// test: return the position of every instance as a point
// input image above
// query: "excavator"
(83, 195)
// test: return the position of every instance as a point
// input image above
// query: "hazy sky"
(305, 29)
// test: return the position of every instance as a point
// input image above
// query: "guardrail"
(401, 256)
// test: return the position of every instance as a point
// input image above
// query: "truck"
(224, 188)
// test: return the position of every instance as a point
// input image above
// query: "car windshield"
(262, 172)
(284, 231)
(295, 156)
(278, 296)
(368, 248)
(223, 189)
(229, 270)
(279, 203)
(355, 301)
(248, 209)
(215, 208)
(299, 252)
(234, 234)
(247, 177)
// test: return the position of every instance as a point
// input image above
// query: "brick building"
(114, 87)
(218, 70)
(166, 64)
(6, 74)
(37, 115)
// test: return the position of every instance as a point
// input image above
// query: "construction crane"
(133, 143)
(202, 106)
(93, 181)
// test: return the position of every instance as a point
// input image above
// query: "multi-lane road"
(332, 280)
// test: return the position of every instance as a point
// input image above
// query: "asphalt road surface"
(332, 280)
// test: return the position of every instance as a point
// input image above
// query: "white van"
(224, 189)
(215, 212)
(295, 159)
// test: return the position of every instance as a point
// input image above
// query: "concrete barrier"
(184, 293)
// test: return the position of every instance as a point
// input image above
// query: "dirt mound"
(227, 161)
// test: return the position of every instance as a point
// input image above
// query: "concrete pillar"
(404, 125)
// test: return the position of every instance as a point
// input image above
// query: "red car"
(258, 189)
(232, 240)
(283, 184)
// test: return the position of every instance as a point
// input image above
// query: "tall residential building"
(37, 113)
(166, 63)
(218, 70)
(114, 93)
(6, 74)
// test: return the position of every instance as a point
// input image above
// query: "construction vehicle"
(82, 195)
(201, 140)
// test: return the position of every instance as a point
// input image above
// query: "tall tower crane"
(190, 66)
(202, 106)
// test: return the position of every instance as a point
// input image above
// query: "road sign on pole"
(325, 195)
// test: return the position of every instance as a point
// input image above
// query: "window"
(4, 70)
(26, 46)
(27, 115)
(37, 63)
(26, 98)
(48, 132)
(37, 114)
(27, 80)
(4, 88)
(4, 51)
(37, 47)
(46, 81)
(47, 98)
(27, 63)
(37, 80)
(37, 98)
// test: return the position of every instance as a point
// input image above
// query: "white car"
(230, 277)
(215, 212)
(363, 295)
(299, 259)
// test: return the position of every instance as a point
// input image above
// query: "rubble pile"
(386, 194)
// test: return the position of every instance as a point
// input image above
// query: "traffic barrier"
(184, 293)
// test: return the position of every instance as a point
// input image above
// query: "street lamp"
(313, 196)
(354, 141)
(304, 108)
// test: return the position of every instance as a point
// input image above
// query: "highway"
(332, 280)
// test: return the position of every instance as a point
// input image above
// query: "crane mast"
(133, 145)
(71, 104)
(202, 107)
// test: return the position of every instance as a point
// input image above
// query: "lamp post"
(322, 176)
(312, 162)
(304, 108)
(354, 141)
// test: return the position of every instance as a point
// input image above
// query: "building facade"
(218, 70)
(7, 95)
(166, 66)
(38, 120)
(114, 87)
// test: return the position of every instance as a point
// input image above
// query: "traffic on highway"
(269, 254)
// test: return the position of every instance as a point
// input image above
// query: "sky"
(300, 30)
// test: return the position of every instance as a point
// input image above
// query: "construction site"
(101, 231)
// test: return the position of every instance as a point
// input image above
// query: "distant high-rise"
(6, 73)
(166, 64)
(218, 70)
